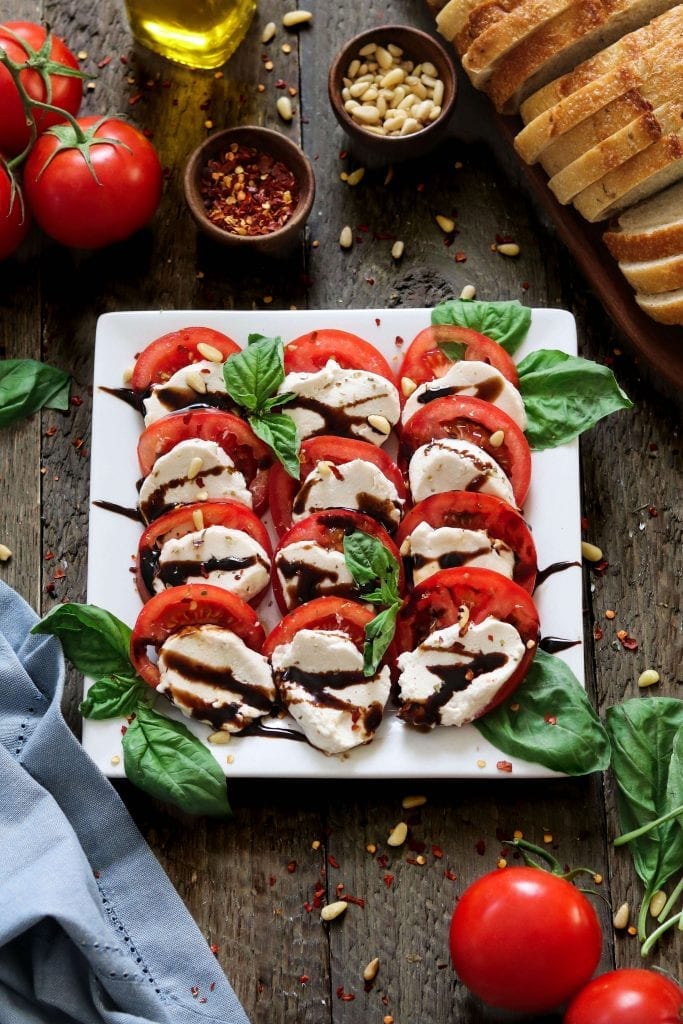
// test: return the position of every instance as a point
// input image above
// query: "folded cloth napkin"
(91, 929)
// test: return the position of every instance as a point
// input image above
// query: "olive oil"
(200, 33)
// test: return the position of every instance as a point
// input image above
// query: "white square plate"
(552, 511)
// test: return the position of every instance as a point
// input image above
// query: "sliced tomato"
(425, 361)
(437, 602)
(310, 352)
(473, 420)
(283, 489)
(181, 521)
(469, 510)
(166, 355)
(328, 529)
(323, 613)
(250, 455)
(193, 604)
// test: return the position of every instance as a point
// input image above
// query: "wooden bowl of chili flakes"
(250, 188)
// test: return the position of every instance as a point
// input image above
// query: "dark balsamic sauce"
(276, 732)
(318, 686)
(555, 644)
(336, 420)
(121, 510)
(175, 573)
(305, 581)
(156, 504)
(550, 570)
(455, 679)
(487, 390)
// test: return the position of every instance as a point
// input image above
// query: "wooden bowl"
(263, 140)
(417, 46)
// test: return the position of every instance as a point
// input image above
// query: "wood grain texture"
(248, 882)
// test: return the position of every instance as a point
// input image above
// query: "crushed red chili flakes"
(248, 193)
(291, 867)
(628, 642)
(346, 997)
(437, 852)
(503, 766)
(332, 861)
(600, 568)
(388, 881)
(450, 875)
(597, 633)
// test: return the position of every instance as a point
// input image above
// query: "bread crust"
(666, 308)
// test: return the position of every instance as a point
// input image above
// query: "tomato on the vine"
(524, 939)
(629, 996)
(14, 216)
(94, 187)
(62, 90)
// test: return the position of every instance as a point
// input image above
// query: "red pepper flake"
(215, 950)
(480, 847)
(364, 228)
(382, 860)
(212, 986)
(357, 901)
(50, 432)
(135, 99)
(460, 257)
(450, 875)
(195, 991)
(272, 880)
(411, 860)
(653, 447)
(343, 154)
(75, 400)
(437, 852)
(399, 341)
(103, 63)
(58, 574)
(629, 642)
(48, 556)
(280, 84)
(388, 880)
(600, 568)
(308, 907)
(291, 867)
(525, 286)
(377, 321)
(652, 512)
(248, 193)
(550, 719)
(332, 861)
(123, 60)
(203, 999)
(584, 523)
(370, 280)
(50, 589)
(148, 133)
(346, 997)
(96, 874)
(420, 187)
(597, 633)
(304, 979)
(78, 443)
(504, 766)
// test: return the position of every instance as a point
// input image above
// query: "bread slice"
(615, 151)
(651, 230)
(536, 136)
(621, 53)
(452, 18)
(659, 165)
(665, 85)
(654, 276)
(586, 27)
(487, 37)
(665, 308)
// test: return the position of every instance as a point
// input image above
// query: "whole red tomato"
(65, 91)
(629, 996)
(524, 939)
(90, 191)
(14, 218)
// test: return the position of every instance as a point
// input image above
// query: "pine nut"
(333, 910)
(434, 113)
(405, 548)
(346, 94)
(408, 101)
(127, 374)
(196, 382)
(591, 552)
(410, 802)
(657, 903)
(369, 95)
(370, 972)
(394, 50)
(410, 126)
(437, 94)
(293, 18)
(392, 78)
(428, 80)
(397, 250)
(368, 49)
(648, 678)
(5, 553)
(497, 438)
(422, 110)
(621, 916)
(284, 108)
(398, 834)
(346, 237)
(399, 94)
(269, 32)
(356, 176)
(358, 88)
(214, 355)
(366, 115)
(353, 68)
(194, 468)
(468, 292)
(508, 249)
(382, 109)
(324, 469)
(384, 58)
(351, 105)
(429, 69)
(219, 738)
(407, 386)
(447, 224)
(198, 519)
(381, 424)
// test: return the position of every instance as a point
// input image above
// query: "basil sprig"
(549, 720)
(252, 377)
(505, 322)
(27, 385)
(375, 570)
(161, 757)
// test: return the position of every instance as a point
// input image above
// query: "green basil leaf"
(565, 395)
(369, 561)
(255, 373)
(279, 432)
(115, 697)
(284, 399)
(453, 350)
(505, 322)
(27, 386)
(379, 633)
(644, 735)
(164, 759)
(94, 640)
(674, 787)
(555, 724)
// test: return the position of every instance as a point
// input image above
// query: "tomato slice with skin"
(328, 529)
(437, 602)
(425, 361)
(180, 521)
(166, 355)
(323, 613)
(193, 604)
(473, 420)
(469, 510)
(282, 488)
(310, 353)
(250, 455)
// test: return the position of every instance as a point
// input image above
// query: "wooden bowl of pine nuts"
(393, 89)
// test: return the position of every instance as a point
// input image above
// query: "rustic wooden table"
(247, 881)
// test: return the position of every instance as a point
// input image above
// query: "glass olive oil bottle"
(200, 33)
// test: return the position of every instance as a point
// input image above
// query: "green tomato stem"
(644, 829)
(658, 932)
(673, 898)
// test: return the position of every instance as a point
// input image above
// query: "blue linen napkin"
(91, 929)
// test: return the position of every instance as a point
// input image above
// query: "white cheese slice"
(187, 386)
(454, 465)
(432, 682)
(221, 556)
(210, 674)
(320, 679)
(446, 547)
(171, 481)
(305, 565)
(475, 379)
(358, 485)
(339, 401)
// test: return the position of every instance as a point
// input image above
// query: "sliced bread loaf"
(654, 276)
(651, 230)
(452, 18)
(665, 308)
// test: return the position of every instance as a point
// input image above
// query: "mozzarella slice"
(173, 480)
(217, 555)
(319, 676)
(344, 402)
(475, 379)
(454, 465)
(307, 570)
(434, 684)
(447, 547)
(210, 674)
(358, 485)
(200, 382)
